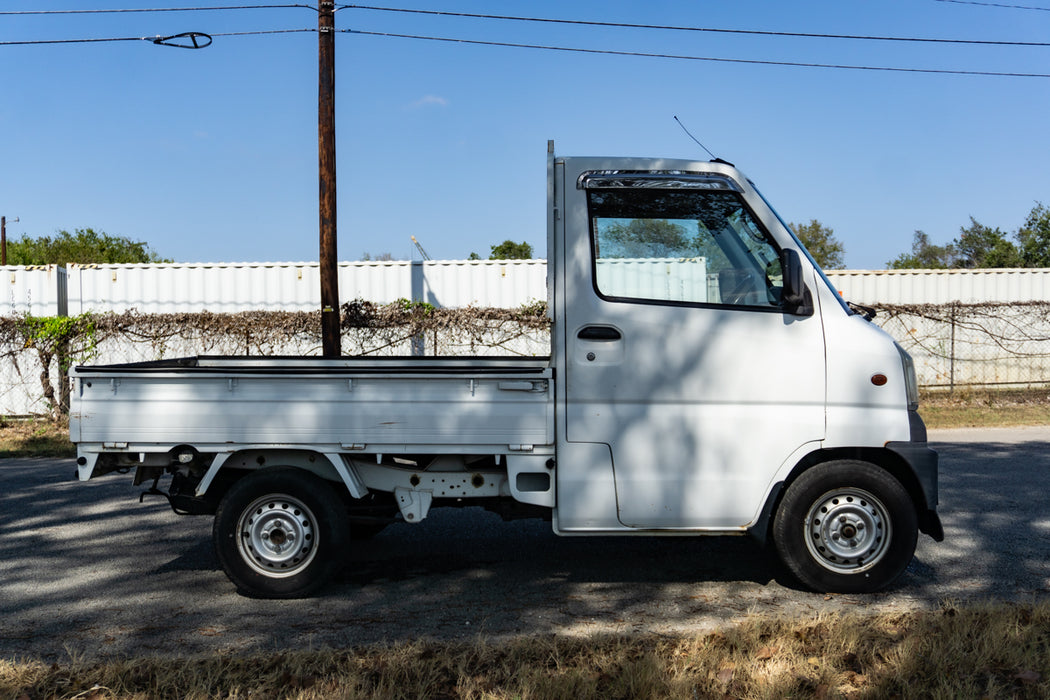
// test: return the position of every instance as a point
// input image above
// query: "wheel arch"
(328, 466)
(894, 463)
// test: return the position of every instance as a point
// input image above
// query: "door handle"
(523, 386)
(598, 333)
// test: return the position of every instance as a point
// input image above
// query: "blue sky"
(211, 155)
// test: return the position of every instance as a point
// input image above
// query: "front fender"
(913, 464)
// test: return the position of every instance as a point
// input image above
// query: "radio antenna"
(694, 138)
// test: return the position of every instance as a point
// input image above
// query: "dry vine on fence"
(992, 343)
(57, 343)
(953, 344)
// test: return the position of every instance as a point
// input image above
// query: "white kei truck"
(705, 378)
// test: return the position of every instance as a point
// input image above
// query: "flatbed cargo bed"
(358, 404)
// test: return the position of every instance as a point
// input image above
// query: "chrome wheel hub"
(277, 536)
(847, 530)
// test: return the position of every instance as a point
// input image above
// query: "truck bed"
(396, 404)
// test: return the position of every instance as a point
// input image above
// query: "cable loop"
(185, 40)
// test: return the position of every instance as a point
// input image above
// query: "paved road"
(86, 569)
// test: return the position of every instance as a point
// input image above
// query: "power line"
(542, 47)
(753, 32)
(153, 9)
(267, 31)
(997, 4)
(154, 39)
(699, 58)
(76, 41)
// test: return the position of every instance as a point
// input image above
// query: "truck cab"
(706, 364)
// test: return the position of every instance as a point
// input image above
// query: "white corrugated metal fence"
(232, 287)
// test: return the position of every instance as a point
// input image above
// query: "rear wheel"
(279, 533)
(846, 527)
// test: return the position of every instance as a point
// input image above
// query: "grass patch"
(35, 437)
(972, 408)
(977, 651)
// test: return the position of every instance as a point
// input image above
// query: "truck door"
(680, 354)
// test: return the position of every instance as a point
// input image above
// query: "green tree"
(979, 246)
(509, 250)
(84, 245)
(645, 238)
(822, 244)
(925, 255)
(1034, 238)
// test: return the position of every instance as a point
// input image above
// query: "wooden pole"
(330, 341)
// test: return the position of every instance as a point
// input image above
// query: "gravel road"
(88, 571)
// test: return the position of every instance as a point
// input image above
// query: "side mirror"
(797, 298)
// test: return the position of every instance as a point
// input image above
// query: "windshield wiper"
(866, 311)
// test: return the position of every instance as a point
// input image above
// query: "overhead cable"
(152, 39)
(796, 64)
(997, 4)
(625, 25)
(267, 31)
(153, 9)
(76, 41)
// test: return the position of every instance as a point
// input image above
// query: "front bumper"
(923, 463)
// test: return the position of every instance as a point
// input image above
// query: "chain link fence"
(992, 344)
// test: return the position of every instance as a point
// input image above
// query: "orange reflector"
(879, 379)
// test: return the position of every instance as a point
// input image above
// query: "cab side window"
(692, 246)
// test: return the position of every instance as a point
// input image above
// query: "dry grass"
(35, 437)
(971, 408)
(985, 651)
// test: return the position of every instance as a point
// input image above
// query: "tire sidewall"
(790, 533)
(330, 531)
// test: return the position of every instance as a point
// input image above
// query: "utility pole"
(3, 238)
(330, 342)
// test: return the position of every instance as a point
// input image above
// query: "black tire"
(845, 527)
(280, 533)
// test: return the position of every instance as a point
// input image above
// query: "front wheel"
(846, 527)
(279, 533)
